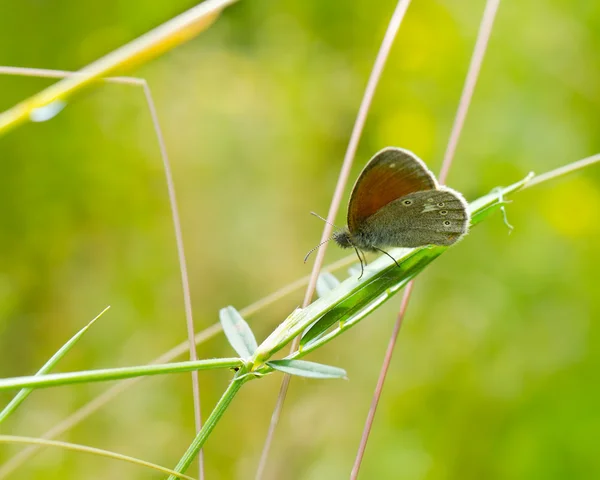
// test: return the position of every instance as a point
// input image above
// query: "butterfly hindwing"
(391, 174)
(434, 217)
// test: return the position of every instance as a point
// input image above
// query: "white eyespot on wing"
(392, 165)
(446, 223)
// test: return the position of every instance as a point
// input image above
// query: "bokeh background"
(496, 371)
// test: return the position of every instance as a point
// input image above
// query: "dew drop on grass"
(47, 112)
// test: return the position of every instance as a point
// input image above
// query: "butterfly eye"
(407, 202)
(447, 223)
(441, 204)
(443, 212)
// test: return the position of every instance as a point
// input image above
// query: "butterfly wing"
(392, 173)
(435, 217)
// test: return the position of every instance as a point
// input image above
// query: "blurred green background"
(496, 371)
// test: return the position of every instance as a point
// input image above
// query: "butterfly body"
(397, 202)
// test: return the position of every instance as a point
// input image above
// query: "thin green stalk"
(210, 423)
(58, 379)
(561, 171)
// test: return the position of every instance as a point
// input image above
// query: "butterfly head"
(343, 238)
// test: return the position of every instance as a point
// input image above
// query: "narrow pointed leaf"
(303, 368)
(325, 283)
(24, 393)
(238, 332)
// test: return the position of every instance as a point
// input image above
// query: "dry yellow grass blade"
(90, 450)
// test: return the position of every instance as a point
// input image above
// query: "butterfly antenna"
(313, 249)
(324, 219)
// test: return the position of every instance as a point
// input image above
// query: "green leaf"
(24, 393)
(325, 283)
(302, 368)
(238, 332)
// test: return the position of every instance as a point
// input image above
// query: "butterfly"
(397, 202)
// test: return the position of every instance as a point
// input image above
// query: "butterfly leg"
(383, 251)
(503, 202)
(364, 256)
(362, 267)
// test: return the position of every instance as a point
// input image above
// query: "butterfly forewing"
(391, 174)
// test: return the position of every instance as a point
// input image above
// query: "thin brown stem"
(361, 117)
(45, 73)
(483, 36)
(187, 300)
(36, 72)
(485, 30)
(381, 381)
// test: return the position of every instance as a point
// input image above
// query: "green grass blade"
(318, 329)
(24, 393)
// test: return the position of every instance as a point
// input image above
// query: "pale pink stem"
(485, 30)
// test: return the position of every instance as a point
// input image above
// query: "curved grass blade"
(318, 329)
(90, 450)
(360, 304)
(302, 368)
(238, 332)
(24, 393)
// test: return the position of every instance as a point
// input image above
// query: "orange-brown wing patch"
(391, 173)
